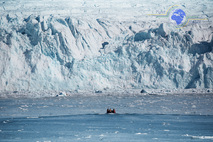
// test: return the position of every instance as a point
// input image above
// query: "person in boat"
(111, 111)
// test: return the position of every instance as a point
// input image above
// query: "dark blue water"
(108, 127)
(183, 117)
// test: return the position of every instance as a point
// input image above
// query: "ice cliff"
(72, 53)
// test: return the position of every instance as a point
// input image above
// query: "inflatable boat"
(111, 111)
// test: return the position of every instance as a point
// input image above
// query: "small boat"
(111, 111)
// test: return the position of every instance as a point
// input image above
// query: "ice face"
(53, 52)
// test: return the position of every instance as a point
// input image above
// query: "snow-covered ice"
(97, 45)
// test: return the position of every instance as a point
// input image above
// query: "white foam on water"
(199, 137)
(89, 137)
(202, 137)
(31, 117)
(102, 135)
(140, 133)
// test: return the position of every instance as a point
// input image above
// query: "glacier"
(43, 49)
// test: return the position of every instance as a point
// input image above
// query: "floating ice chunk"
(5, 121)
(23, 109)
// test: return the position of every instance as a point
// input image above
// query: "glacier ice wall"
(73, 53)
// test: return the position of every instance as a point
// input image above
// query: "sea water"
(180, 117)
